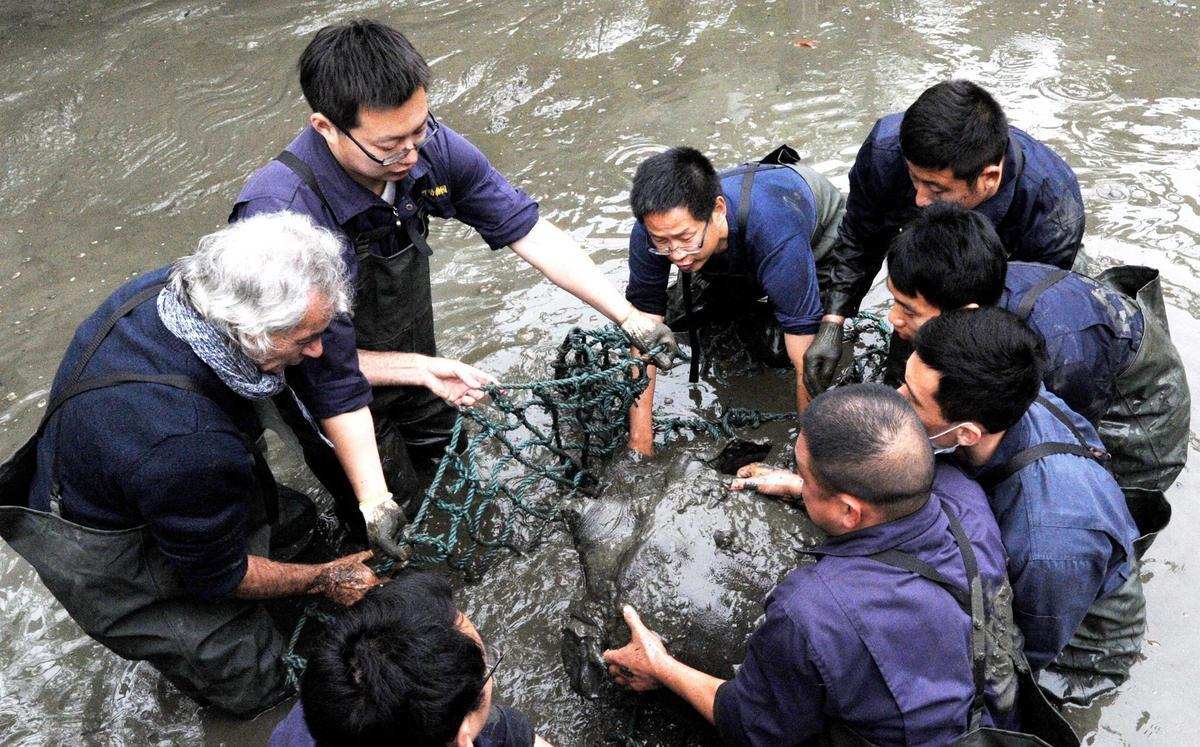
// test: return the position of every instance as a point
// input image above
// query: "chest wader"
(123, 592)
(393, 312)
(1109, 639)
(1043, 725)
(1145, 429)
(706, 298)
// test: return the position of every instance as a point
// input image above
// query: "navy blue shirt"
(878, 648)
(1066, 528)
(1092, 334)
(138, 453)
(1038, 210)
(451, 179)
(505, 727)
(773, 248)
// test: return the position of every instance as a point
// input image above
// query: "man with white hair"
(143, 501)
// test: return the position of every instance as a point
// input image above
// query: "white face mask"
(944, 449)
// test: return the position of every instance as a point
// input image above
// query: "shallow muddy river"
(126, 129)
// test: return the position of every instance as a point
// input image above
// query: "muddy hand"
(647, 333)
(347, 579)
(635, 664)
(768, 481)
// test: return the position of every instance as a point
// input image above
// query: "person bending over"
(852, 641)
(954, 144)
(975, 381)
(743, 242)
(1109, 350)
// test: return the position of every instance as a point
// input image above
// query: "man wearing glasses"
(374, 164)
(744, 242)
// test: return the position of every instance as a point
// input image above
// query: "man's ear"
(989, 179)
(324, 127)
(969, 434)
(852, 513)
(720, 206)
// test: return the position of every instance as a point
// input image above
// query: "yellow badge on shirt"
(437, 191)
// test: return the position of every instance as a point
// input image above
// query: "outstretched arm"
(556, 255)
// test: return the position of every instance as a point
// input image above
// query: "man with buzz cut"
(975, 380)
(373, 164)
(954, 144)
(1109, 350)
(745, 242)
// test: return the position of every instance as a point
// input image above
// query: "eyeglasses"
(492, 657)
(666, 250)
(431, 128)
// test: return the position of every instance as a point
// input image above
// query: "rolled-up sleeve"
(482, 197)
(648, 275)
(777, 696)
(193, 491)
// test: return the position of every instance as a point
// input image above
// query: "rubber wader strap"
(1025, 308)
(1024, 458)
(94, 345)
(972, 604)
(305, 172)
(693, 333)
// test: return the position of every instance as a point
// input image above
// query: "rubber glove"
(385, 519)
(821, 358)
(646, 334)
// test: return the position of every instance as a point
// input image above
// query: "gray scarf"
(212, 346)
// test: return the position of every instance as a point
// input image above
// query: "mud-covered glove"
(647, 333)
(821, 358)
(384, 520)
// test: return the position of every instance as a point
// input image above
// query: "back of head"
(254, 278)
(954, 125)
(865, 440)
(357, 65)
(679, 177)
(394, 669)
(950, 256)
(990, 363)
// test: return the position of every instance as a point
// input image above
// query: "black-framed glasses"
(688, 250)
(492, 657)
(431, 128)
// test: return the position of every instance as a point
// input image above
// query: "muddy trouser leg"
(412, 428)
(324, 464)
(1098, 657)
(730, 302)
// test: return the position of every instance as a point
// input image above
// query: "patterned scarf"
(234, 367)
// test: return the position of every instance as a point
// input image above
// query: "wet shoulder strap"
(1024, 458)
(693, 334)
(94, 345)
(1025, 308)
(306, 174)
(971, 602)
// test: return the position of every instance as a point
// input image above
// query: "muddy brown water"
(126, 128)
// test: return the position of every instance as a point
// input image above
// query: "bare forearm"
(556, 255)
(796, 346)
(267, 579)
(393, 369)
(641, 416)
(353, 438)
(696, 687)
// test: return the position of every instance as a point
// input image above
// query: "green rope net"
(501, 482)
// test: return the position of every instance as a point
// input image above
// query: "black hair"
(359, 65)
(954, 125)
(950, 256)
(394, 667)
(991, 364)
(865, 440)
(679, 177)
